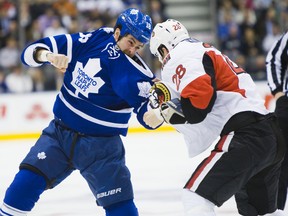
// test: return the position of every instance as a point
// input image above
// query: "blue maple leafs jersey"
(102, 85)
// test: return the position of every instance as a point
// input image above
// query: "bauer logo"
(108, 193)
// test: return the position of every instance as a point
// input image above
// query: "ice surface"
(159, 165)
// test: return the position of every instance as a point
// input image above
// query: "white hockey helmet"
(169, 34)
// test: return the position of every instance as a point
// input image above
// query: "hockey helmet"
(169, 34)
(133, 22)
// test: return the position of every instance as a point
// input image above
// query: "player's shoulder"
(102, 43)
(104, 31)
(193, 48)
(195, 45)
(99, 35)
(91, 39)
(187, 48)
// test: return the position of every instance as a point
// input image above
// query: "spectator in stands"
(33, 32)
(157, 11)
(67, 11)
(45, 20)
(232, 45)
(13, 30)
(223, 28)
(9, 54)
(284, 13)
(37, 78)
(133, 3)
(18, 81)
(55, 29)
(7, 13)
(250, 45)
(66, 7)
(245, 14)
(269, 39)
(255, 60)
(226, 7)
(38, 8)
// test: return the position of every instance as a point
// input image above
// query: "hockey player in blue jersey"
(105, 80)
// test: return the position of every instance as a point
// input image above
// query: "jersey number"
(179, 73)
(233, 66)
(83, 38)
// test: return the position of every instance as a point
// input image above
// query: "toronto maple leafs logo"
(41, 155)
(84, 80)
(134, 11)
(144, 88)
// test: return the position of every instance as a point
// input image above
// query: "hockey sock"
(24, 191)
(126, 208)
(194, 204)
(7, 210)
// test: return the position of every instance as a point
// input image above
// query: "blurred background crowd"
(244, 30)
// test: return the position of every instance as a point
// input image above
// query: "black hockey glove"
(159, 93)
(281, 109)
(172, 113)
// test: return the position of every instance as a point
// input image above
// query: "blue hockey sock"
(25, 190)
(125, 208)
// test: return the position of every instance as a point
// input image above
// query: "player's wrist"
(43, 56)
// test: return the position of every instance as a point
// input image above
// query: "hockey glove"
(159, 93)
(172, 112)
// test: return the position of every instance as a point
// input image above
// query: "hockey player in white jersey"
(205, 95)
(104, 81)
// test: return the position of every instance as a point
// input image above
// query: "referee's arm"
(276, 66)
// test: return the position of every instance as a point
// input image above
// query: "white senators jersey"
(215, 88)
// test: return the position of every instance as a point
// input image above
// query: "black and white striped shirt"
(277, 66)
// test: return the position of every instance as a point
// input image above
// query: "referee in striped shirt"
(277, 77)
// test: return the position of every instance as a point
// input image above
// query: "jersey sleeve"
(197, 87)
(132, 83)
(277, 64)
(62, 44)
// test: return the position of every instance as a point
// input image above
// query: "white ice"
(159, 165)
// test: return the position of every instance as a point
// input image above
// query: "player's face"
(165, 53)
(129, 45)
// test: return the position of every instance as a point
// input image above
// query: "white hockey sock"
(7, 210)
(196, 205)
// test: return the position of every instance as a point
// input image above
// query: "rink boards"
(23, 116)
